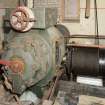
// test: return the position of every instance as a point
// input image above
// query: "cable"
(96, 22)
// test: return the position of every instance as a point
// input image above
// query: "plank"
(90, 100)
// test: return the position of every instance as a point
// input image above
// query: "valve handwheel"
(22, 19)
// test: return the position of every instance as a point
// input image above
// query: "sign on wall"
(70, 10)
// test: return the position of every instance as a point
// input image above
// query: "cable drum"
(102, 62)
(88, 61)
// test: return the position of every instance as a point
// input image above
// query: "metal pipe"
(55, 84)
(86, 36)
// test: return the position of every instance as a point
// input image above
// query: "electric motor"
(35, 50)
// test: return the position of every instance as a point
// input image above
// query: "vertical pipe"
(96, 23)
(87, 12)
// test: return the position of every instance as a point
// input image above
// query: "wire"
(96, 22)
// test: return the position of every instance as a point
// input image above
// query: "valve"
(22, 19)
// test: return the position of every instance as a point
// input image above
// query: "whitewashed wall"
(87, 26)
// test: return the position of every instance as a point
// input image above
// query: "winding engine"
(34, 47)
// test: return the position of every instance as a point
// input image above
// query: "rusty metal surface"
(33, 57)
(22, 19)
(15, 103)
(64, 30)
(81, 89)
(35, 53)
(64, 98)
(16, 65)
(6, 98)
(86, 60)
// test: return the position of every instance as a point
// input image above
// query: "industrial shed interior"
(52, 52)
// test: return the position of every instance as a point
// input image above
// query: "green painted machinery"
(35, 53)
